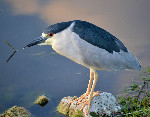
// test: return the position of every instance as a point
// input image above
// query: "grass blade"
(11, 56)
(10, 45)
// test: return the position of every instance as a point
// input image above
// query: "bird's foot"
(85, 101)
(88, 101)
(82, 97)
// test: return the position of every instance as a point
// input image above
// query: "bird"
(90, 46)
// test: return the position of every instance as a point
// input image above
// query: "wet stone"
(42, 100)
(16, 111)
(64, 105)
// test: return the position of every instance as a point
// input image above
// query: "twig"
(11, 56)
(141, 90)
(10, 45)
(13, 52)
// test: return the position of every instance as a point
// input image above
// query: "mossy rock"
(42, 100)
(16, 111)
(64, 105)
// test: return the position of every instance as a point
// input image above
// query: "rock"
(74, 109)
(42, 100)
(16, 111)
(64, 105)
(103, 104)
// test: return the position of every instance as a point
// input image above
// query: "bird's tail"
(133, 63)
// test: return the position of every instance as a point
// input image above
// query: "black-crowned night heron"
(90, 46)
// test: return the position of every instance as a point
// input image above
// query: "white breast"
(66, 44)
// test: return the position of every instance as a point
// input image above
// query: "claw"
(83, 97)
(86, 94)
(87, 101)
(77, 98)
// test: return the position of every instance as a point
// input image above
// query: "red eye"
(50, 34)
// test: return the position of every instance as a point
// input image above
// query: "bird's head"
(49, 34)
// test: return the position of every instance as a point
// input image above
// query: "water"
(35, 71)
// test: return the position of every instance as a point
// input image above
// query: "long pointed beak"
(36, 42)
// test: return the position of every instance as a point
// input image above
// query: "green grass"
(136, 99)
(79, 114)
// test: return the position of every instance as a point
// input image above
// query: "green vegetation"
(12, 53)
(93, 114)
(79, 114)
(10, 45)
(136, 100)
(16, 111)
(42, 100)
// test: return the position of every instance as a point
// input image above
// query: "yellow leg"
(88, 89)
(91, 93)
(90, 81)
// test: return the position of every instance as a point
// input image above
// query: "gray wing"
(98, 37)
